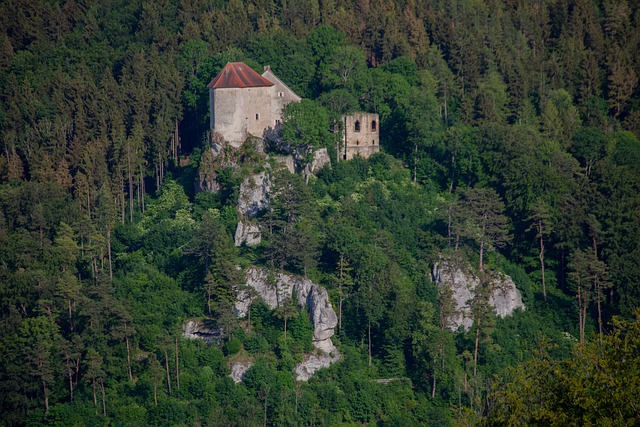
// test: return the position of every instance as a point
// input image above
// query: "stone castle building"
(361, 135)
(244, 103)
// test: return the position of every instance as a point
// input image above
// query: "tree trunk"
(104, 402)
(433, 388)
(95, 396)
(285, 327)
(340, 314)
(544, 289)
(475, 350)
(598, 298)
(166, 364)
(109, 252)
(130, 176)
(177, 367)
(70, 379)
(415, 162)
(369, 335)
(126, 339)
(580, 311)
(598, 291)
(46, 397)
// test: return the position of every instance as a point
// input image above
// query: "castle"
(243, 103)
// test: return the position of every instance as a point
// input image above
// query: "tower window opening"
(257, 116)
(373, 125)
(357, 126)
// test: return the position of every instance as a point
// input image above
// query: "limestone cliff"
(461, 282)
(252, 199)
(197, 329)
(275, 290)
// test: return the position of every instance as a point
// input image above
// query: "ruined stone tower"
(361, 135)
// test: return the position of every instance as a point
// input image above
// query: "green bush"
(255, 343)
(233, 346)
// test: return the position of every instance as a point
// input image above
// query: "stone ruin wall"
(361, 135)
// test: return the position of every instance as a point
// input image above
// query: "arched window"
(373, 125)
(257, 116)
(357, 127)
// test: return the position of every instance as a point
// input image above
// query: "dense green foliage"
(511, 132)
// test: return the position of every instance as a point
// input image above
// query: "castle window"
(357, 142)
(280, 94)
(357, 126)
(373, 143)
(257, 116)
(373, 125)
(277, 122)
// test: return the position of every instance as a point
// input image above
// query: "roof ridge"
(238, 75)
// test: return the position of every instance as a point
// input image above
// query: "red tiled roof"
(238, 74)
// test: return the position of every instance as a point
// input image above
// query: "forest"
(510, 142)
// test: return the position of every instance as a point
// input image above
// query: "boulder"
(461, 282)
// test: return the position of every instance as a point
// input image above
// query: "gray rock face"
(253, 195)
(461, 282)
(247, 233)
(195, 329)
(288, 162)
(238, 370)
(505, 297)
(251, 200)
(313, 362)
(320, 159)
(279, 287)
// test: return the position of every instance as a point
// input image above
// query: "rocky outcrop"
(460, 282)
(238, 369)
(275, 289)
(248, 233)
(251, 200)
(196, 329)
(505, 297)
(253, 194)
(287, 162)
(320, 159)
(313, 362)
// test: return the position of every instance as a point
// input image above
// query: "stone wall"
(361, 135)
(281, 95)
(239, 112)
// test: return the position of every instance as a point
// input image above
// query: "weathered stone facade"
(361, 135)
(281, 95)
(243, 103)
